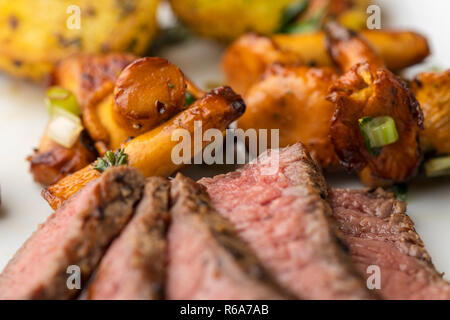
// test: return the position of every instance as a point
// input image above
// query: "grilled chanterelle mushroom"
(377, 120)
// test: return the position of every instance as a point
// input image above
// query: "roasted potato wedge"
(151, 152)
(293, 100)
(247, 58)
(368, 90)
(227, 19)
(432, 90)
(35, 35)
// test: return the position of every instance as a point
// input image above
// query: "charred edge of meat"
(107, 206)
(126, 185)
(160, 190)
(148, 227)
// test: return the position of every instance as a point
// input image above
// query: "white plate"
(23, 117)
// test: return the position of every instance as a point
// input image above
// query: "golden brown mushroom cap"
(147, 92)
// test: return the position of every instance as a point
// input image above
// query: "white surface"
(23, 117)
(429, 18)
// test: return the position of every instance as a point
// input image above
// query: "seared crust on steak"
(206, 259)
(379, 233)
(133, 268)
(76, 234)
(277, 205)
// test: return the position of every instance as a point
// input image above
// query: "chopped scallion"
(437, 167)
(64, 127)
(189, 98)
(378, 132)
(61, 98)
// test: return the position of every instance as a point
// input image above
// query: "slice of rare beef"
(277, 205)
(75, 235)
(380, 234)
(206, 259)
(133, 268)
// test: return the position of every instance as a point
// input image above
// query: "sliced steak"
(134, 265)
(206, 259)
(276, 204)
(379, 233)
(77, 234)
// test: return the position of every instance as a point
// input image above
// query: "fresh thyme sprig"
(111, 159)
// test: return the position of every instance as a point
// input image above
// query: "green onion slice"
(189, 98)
(61, 98)
(64, 127)
(378, 131)
(437, 167)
